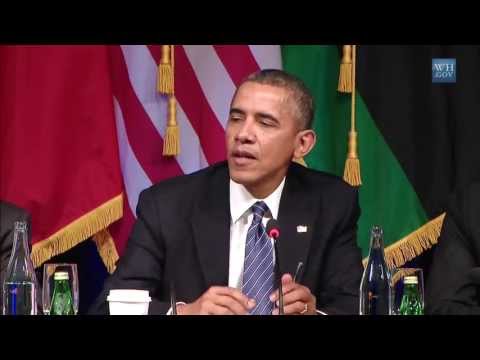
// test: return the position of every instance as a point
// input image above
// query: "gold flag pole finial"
(352, 173)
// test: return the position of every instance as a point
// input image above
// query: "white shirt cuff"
(169, 312)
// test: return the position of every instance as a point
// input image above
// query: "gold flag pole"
(351, 172)
(166, 86)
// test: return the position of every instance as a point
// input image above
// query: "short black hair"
(301, 95)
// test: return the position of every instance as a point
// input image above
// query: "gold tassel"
(171, 142)
(107, 250)
(165, 71)
(78, 230)
(352, 174)
(414, 244)
(345, 78)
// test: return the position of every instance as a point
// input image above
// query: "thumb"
(286, 279)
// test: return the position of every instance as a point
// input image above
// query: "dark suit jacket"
(8, 215)
(449, 289)
(183, 233)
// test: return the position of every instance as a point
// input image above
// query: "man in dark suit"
(453, 285)
(205, 232)
(9, 213)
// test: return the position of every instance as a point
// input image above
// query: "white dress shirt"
(241, 217)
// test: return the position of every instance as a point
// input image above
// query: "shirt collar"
(241, 200)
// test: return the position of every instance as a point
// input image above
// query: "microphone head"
(273, 229)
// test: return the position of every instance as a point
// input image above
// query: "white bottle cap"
(412, 279)
(61, 275)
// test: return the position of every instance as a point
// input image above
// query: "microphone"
(273, 231)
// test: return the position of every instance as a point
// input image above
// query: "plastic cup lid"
(129, 295)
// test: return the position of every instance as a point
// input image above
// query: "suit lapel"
(296, 217)
(211, 225)
(211, 228)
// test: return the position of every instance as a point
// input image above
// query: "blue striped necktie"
(258, 273)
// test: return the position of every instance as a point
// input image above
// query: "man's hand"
(219, 301)
(297, 299)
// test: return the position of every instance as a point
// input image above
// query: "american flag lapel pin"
(302, 228)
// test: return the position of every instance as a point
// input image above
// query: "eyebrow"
(236, 111)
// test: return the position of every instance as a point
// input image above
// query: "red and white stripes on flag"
(206, 77)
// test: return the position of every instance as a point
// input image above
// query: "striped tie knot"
(259, 209)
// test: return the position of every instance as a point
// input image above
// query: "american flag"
(206, 77)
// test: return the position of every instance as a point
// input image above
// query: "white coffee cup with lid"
(128, 302)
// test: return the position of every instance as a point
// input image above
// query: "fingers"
(300, 293)
(287, 285)
(295, 296)
(235, 294)
(295, 308)
(232, 304)
(211, 308)
(230, 301)
(225, 300)
(294, 302)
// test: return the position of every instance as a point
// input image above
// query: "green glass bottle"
(412, 303)
(62, 301)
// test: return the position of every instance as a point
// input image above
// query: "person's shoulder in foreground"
(454, 280)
